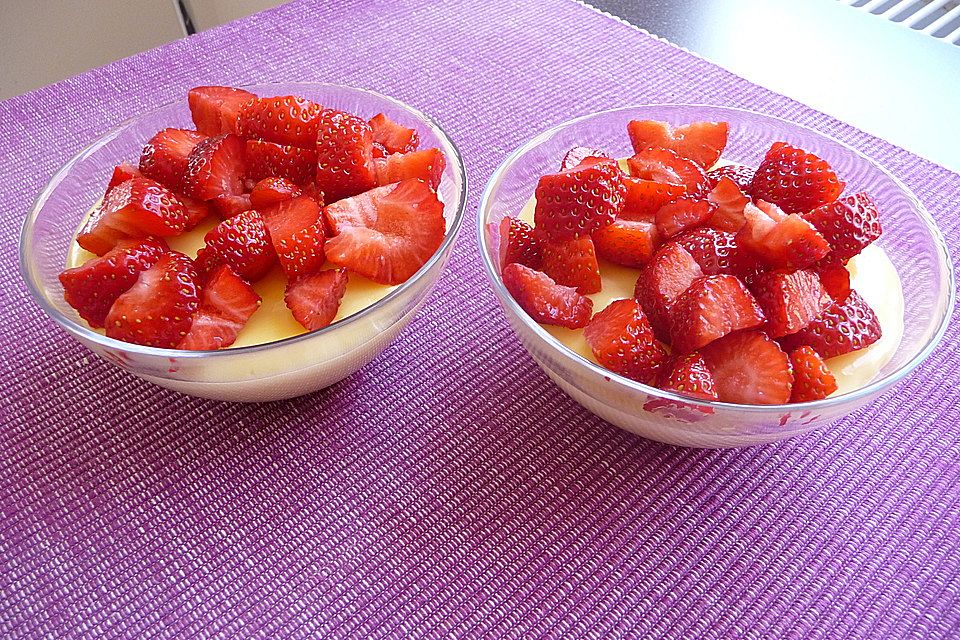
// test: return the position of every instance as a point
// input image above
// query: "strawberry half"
(269, 160)
(701, 142)
(166, 155)
(576, 202)
(812, 379)
(781, 240)
(197, 211)
(630, 243)
(709, 309)
(582, 155)
(643, 198)
(242, 243)
(834, 277)
(690, 376)
(214, 109)
(730, 201)
(572, 263)
(297, 231)
(718, 252)
(794, 180)
(226, 304)
(790, 300)
(426, 165)
(122, 173)
(519, 243)
(393, 137)
(314, 298)
(749, 368)
(683, 214)
(546, 301)
(622, 340)
(848, 224)
(344, 155)
(663, 165)
(740, 174)
(270, 191)
(282, 119)
(216, 167)
(229, 205)
(844, 327)
(670, 272)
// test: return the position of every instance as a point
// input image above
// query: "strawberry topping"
(426, 165)
(794, 180)
(282, 119)
(845, 326)
(270, 191)
(671, 271)
(790, 300)
(216, 167)
(812, 379)
(297, 232)
(214, 109)
(393, 137)
(622, 340)
(344, 155)
(572, 263)
(663, 165)
(576, 202)
(314, 298)
(268, 160)
(226, 303)
(709, 309)
(701, 142)
(630, 243)
(166, 155)
(749, 368)
(242, 243)
(683, 214)
(546, 301)
(688, 375)
(519, 243)
(848, 224)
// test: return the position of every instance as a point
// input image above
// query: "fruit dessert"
(272, 217)
(713, 280)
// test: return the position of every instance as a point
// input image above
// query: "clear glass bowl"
(272, 371)
(911, 239)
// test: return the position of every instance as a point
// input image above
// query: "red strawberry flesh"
(849, 224)
(286, 120)
(790, 300)
(393, 137)
(794, 180)
(749, 368)
(630, 243)
(297, 233)
(519, 243)
(546, 301)
(345, 165)
(689, 375)
(572, 263)
(166, 155)
(242, 242)
(812, 379)
(226, 304)
(314, 298)
(844, 327)
(214, 109)
(712, 307)
(270, 160)
(622, 340)
(576, 202)
(671, 271)
(216, 167)
(701, 142)
(426, 165)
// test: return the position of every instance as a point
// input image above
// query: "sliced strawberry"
(344, 155)
(214, 109)
(226, 303)
(702, 142)
(229, 205)
(297, 231)
(663, 165)
(122, 173)
(314, 298)
(794, 180)
(643, 198)
(844, 327)
(268, 160)
(671, 271)
(812, 379)
(165, 156)
(572, 263)
(379, 151)
(730, 201)
(630, 243)
(683, 214)
(270, 191)
(834, 277)
(576, 202)
(158, 309)
(282, 119)
(427, 165)
(519, 243)
(718, 252)
(848, 224)
(242, 243)
(216, 167)
(711, 308)
(393, 137)
(790, 300)
(749, 368)
(546, 301)
(582, 155)
(688, 375)
(740, 174)
(622, 340)
(781, 240)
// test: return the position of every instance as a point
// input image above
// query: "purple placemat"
(448, 488)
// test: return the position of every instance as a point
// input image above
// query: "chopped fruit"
(643, 198)
(848, 224)
(582, 155)
(834, 277)
(740, 174)
(136, 208)
(730, 201)
(622, 340)
(630, 243)
(845, 326)
(683, 214)
(216, 167)
(165, 157)
(393, 137)
(379, 151)
(158, 309)
(663, 165)
(227, 205)
(519, 243)
(671, 271)
(689, 376)
(572, 263)
(702, 142)
(546, 301)
(282, 119)
(93, 287)
(781, 240)
(387, 233)
(790, 300)
(122, 173)
(226, 303)
(812, 379)
(711, 308)
(297, 232)
(214, 109)
(717, 252)
(576, 202)
(270, 191)
(344, 155)
(749, 368)
(794, 180)
(197, 211)
(314, 298)
(427, 165)
(242, 243)
(269, 160)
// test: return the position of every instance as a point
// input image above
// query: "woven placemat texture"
(448, 488)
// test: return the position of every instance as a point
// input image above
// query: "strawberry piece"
(834, 277)
(314, 298)
(165, 156)
(216, 167)
(576, 202)
(270, 191)
(572, 263)
(546, 301)
(671, 271)
(630, 243)
(749, 368)
(663, 165)
(789, 300)
(226, 304)
(197, 211)
(730, 201)
(158, 309)
(267, 159)
(683, 214)
(812, 379)
(702, 142)
(393, 137)
(781, 240)
(136, 208)
(242, 243)
(379, 151)
(740, 174)
(229, 205)
(297, 231)
(711, 308)
(93, 287)
(283, 119)
(582, 155)
(427, 165)
(122, 173)
(718, 252)
(387, 233)
(622, 340)
(344, 155)
(844, 327)
(848, 224)
(690, 376)
(214, 109)
(643, 198)
(519, 243)
(794, 180)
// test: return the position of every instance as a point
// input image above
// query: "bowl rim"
(86, 332)
(874, 387)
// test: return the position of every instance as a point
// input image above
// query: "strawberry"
(643, 198)
(379, 151)
(790, 300)
(730, 201)
(582, 155)
(845, 326)
(717, 252)
(702, 142)
(92, 287)
(344, 155)
(546, 301)
(812, 379)
(393, 137)
(683, 214)
(688, 376)
(781, 240)
(519, 243)
(216, 167)
(576, 202)
(663, 165)
(297, 232)
(427, 165)
(267, 160)
(122, 173)
(314, 298)
(572, 263)
(710, 308)
(214, 109)
(387, 233)
(229, 205)
(165, 156)
(282, 119)
(270, 191)
(630, 243)
(740, 174)
(242, 243)
(622, 340)
(848, 224)
(834, 277)
(226, 303)
(669, 273)
(158, 309)
(794, 180)
(749, 368)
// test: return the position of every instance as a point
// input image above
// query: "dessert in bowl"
(716, 307)
(248, 245)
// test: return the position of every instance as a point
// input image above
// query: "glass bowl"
(273, 371)
(911, 239)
